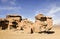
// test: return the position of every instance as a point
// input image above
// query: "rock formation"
(42, 23)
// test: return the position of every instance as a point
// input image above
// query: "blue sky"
(30, 8)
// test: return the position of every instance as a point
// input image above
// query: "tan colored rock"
(42, 23)
(37, 26)
(50, 23)
(13, 19)
(26, 25)
(37, 17)
(3, 24)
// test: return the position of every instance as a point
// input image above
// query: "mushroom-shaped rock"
(39, 16)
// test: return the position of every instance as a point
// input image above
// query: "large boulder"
(39, 26)
(3, 24)
(13, 20)
(42, 23)
(26, 25)
(49, 23)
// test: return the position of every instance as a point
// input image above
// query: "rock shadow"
(47, 32)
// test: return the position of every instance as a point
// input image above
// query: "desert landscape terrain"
(11, 34)
(29, 19)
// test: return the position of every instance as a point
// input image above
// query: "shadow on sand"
(47, 32)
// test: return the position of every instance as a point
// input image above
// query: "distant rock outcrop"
(42, 23)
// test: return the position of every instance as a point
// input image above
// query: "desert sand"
(11, 34)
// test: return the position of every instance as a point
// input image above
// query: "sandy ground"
(5, 34)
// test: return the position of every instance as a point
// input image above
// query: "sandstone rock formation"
(3, 24)
(45, 22)
(42, 23)
(26, 25)
(13, 21)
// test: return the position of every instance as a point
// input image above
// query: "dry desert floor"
(11, 34)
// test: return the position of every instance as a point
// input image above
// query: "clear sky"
(29, 8)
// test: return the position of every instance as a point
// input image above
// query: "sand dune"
(5, 34)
